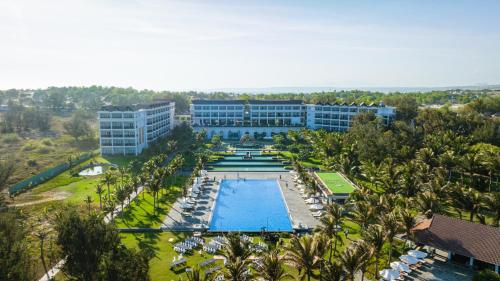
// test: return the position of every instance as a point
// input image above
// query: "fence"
(50, 173)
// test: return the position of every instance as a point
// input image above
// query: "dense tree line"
(94, 97)
(19, 118)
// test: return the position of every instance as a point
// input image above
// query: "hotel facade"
(231, 119)
(130, 129)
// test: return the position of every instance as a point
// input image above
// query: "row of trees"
(94, 97)
(19, 119)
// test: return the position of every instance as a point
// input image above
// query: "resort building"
(231, 119)
(339, 117)
(130, 129)
(467, 243)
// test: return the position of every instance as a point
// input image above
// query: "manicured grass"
(164, 253)
(335, 182)
(140, 212)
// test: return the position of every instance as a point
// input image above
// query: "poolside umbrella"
(409, 259)
(399, 266)
(389, 274)
(316, 207)
(417, 254)
(313, 201)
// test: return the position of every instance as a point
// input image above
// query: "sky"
(199, 45)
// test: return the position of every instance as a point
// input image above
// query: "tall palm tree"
(364, 213)
(492, 202)
(428, 203)
(123, 170)
(121, 196)
(154, 183)
(99, 192)
(235, 247)
(330, 226)
(108, 179)
(237, 270)
(375, 237)
(272, 268)
(391, 227)
(468, 199)
(305, 253)
(88, 200)
(353, 260)
(196, 275)
(333, 272)
(408, 221)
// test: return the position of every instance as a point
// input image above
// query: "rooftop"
(469, 239)
(135, 107)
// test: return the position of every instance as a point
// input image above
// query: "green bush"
(30, 146)
(486, 275)
(10, 138)
(44, 149)
(47, 142)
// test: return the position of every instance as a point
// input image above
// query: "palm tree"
(428, 203)
(121, 196)
(237, 270)
(468, 199)
(305, 253)
(407, 222)
(333, 272)
(492, 202)
(108, 179)
(195, 275)
(375, 237)
(364, 213)
(154, 185)
(123, 170)
(272, 268)
(88, 200)
(353, 260)
(235, 248)
(99, 192)
(391, 227)
(330, 226)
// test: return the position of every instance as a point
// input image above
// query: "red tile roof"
(481, 242)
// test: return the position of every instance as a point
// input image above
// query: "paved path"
(200, 217)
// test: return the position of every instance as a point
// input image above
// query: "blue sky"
(174, 45)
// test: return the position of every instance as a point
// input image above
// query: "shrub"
(44, 149)
(10, 138)
(29, 146)
(47, 142)
(32, 162)
(486, 275)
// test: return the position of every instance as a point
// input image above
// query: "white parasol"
(389, 274)
(399, 266)
(417, 254)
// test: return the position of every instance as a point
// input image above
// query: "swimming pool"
(250, 206)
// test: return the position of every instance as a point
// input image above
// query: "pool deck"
(199, 220)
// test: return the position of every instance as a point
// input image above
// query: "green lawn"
(162, 244)
(140, 212)
(335, 182)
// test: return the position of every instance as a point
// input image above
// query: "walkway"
(200, 217)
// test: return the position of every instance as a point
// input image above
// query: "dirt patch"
(27, 199)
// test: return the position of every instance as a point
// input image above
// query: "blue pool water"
(249, 206)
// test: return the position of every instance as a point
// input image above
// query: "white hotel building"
(130, 129)
(262, 118)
